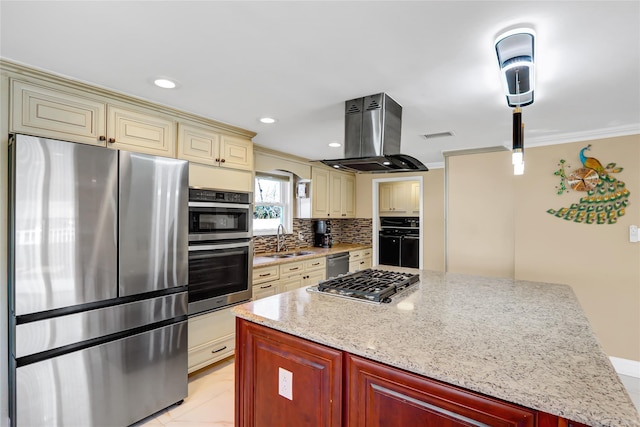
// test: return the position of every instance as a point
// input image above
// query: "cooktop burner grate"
(372, 285)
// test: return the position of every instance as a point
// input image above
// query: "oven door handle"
(214, 247)
(218, 205)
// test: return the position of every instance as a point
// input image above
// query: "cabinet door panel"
(197, 144)
(236, 153)
(319, 193)
(136, 131)
(335, 203)
(46, 112)
(316, 380)
(348, 196)
(382, 396)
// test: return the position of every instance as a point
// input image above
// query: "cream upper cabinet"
(198, 144)
(348, 196)
(202, 144)
(320, 189)
(340, 193)
(335, 195)
(394, 198)
(137, 130)
(52, 113)
(236, 153)
(415, 198)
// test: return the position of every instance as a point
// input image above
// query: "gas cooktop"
(376, 286)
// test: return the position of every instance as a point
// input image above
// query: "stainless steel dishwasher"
(337, 264)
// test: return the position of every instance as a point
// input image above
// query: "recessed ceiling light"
(335, 144)
(164, 83)
(267, 120)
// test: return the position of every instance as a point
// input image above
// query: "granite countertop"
(524, 342)
(263, 260)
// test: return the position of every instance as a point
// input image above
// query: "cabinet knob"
(222, 160)
(112, 140)
(102, 138)
(217, 160)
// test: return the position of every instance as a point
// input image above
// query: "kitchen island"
(495, 351)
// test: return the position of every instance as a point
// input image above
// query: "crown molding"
(566, 138)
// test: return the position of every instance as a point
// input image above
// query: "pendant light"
(516, 60)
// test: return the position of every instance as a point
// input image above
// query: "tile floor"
(209, 403)
(210, 400)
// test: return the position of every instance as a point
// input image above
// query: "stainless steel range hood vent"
(372, 137)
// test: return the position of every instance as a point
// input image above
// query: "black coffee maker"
(322, 231)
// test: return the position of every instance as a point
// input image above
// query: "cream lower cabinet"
(201, 144)
(211, 338)
(265, 281)
(287, 276)
(54, 111)
(359, 260)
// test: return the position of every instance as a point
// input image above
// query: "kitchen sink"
(291, 255)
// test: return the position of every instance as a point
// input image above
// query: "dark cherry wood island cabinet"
(454, 350)
(332, 388)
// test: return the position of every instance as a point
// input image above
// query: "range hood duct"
(372, 137)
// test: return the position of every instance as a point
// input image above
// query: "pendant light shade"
(515, 51)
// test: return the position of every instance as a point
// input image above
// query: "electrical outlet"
(285, 383)
(633, 233)
(300, 236)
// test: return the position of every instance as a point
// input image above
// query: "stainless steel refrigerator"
(98, 284)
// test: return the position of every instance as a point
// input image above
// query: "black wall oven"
(220, 249)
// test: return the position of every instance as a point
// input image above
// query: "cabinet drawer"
(264, 274)
(291, 267)
(356, 255)
(315, 264)
(210, 326)
(211, 352)
(265, 290)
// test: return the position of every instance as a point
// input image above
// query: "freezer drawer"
(56, 332)
(113, 384)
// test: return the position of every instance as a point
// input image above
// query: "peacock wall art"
(603, 197)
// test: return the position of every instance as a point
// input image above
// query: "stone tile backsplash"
(354, 230)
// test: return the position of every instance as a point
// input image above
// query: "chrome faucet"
(280, 233)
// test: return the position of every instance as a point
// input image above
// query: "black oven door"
(217, 221)
(220, 274)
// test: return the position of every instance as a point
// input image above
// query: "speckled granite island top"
(524, 342)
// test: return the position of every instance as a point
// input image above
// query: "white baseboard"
(627, 367)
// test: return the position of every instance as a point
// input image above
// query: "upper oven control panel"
(207, 195)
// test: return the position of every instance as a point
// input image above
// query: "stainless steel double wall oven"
(220, 248)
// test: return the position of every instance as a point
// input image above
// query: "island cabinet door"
(282, 380)
(382, 396)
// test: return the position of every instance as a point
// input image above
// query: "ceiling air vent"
(438, 135)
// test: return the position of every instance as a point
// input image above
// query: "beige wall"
(433, 210)
(480, 234)
(598, 261)
(498, 225)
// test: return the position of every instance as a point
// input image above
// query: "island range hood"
(372, 138)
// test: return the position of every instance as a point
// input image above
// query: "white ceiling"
(298, 61)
